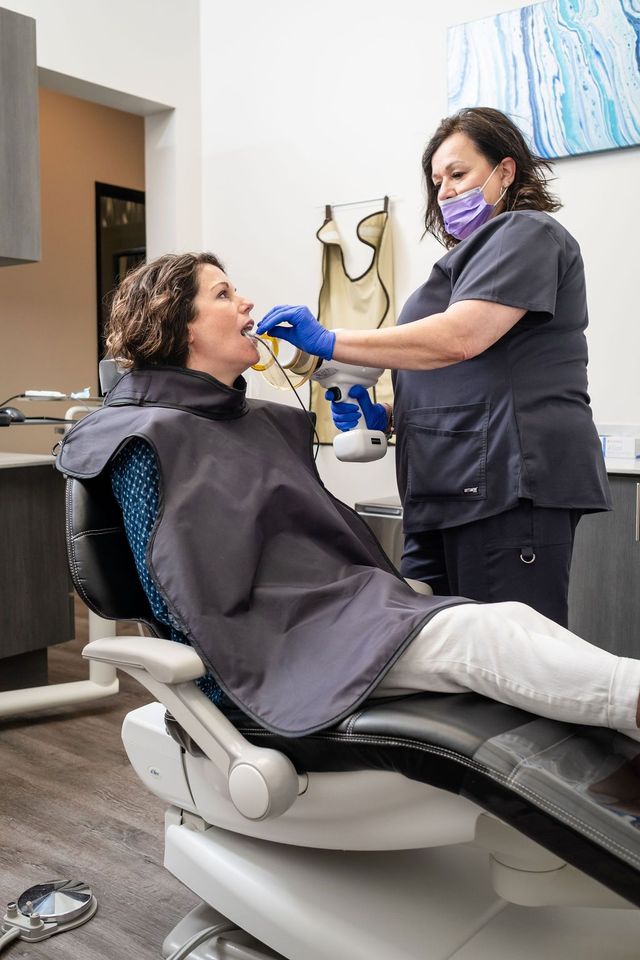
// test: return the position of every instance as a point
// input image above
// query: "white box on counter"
(619, 447)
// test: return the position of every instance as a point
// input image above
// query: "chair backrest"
(100, 559)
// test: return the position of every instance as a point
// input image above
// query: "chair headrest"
(100, 559)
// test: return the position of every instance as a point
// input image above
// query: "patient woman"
(283, 591)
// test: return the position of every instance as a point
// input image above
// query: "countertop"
(390, 506)
(623, 466)
(25, 459)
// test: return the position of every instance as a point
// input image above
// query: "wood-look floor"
(71, 806)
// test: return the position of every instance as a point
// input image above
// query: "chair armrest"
(164, 660)
(262, 782)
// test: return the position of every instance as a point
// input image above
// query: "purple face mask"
(468, 211)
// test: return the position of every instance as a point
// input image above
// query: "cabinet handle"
(637, 512)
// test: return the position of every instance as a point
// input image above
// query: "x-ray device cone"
(286, 367)
(281, 364)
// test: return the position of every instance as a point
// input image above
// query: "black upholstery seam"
(73, 562)
(549, 805)
(352, 721)
(86, 533)
(71, 553)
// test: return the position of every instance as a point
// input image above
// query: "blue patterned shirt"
(135, 482)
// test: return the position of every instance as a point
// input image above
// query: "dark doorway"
(120, 243)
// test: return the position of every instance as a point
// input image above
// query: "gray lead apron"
(282, 589)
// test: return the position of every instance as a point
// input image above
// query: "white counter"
(623, 466)
(25, 459)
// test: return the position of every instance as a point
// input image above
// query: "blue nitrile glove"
(346, 415)
(305, 332)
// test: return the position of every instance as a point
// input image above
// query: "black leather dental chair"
(418, 827)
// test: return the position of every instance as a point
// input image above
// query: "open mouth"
(247, 330)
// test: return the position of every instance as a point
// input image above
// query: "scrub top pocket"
(446, 452)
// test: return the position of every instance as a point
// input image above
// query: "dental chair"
(427, 826)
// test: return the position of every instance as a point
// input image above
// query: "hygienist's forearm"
(422, 345)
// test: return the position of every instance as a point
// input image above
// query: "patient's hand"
(419, 587)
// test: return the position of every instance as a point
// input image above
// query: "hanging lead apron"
(358, 303)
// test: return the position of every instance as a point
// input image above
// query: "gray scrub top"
(515, 421)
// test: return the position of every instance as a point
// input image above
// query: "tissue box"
(623, 448)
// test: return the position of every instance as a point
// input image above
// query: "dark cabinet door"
(35, 609)
(604, 593)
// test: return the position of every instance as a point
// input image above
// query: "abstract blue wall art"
(566, 71)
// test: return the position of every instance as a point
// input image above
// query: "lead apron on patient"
(281, 588)
(355, 303)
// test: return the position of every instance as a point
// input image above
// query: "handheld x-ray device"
(285, 367)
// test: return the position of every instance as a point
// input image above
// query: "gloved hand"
(305, 332)
(346, 415)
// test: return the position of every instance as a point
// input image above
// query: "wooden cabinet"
(35, 590)
(604, 594)
(19, 155)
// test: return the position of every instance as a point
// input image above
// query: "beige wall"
(48, 309)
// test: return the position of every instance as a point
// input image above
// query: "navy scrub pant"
(523, 554)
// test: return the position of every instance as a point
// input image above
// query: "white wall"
(142, 56)
(306, 103)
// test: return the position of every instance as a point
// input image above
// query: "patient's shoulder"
(134, 466)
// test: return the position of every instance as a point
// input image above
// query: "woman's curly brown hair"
(151, 310)
(496, 136)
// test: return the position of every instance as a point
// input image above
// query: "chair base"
(234, 945)
(410, 905)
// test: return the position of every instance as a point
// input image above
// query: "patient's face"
(216, 343)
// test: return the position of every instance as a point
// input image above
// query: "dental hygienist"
(497, 454)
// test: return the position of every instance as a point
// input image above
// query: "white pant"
(512, 653)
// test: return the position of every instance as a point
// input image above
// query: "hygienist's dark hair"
(151, 311)
(496, 136)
